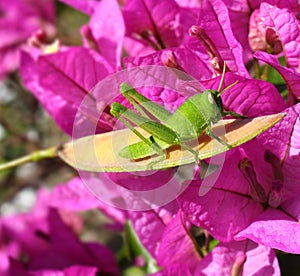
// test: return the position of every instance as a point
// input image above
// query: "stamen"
(238, 264)
(274, 161)
(276, 194)
(38, 39)
(257, 192)
(168, 59)
(87, 33)
(216, 59)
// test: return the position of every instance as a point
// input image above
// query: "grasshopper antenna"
(228, 87)
(222, 78)
(222, 81)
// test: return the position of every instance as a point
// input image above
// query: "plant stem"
(264, 75)
(256, 69)
(32, 157)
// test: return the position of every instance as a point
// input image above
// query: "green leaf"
(100, 153)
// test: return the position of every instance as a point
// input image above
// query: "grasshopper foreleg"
(205, 168)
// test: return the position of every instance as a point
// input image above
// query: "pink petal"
(248, 97)
(283, 141)
(142, 183)
(167, 22)
(57, 105)
(74, 196)
(19, 20)
(292, 207)
(168, 90)
(188, 3)
(72, 73)
(80, 270)
(239, 12)
(62, 80)
(223, 203)
(136, 47)
(292, 5)
(9, 60)
(291, 77)
(108, 33)
(287, 26)
(24, 229)
(150, 225)
(223, 214)
(15, 267)
(260, 260)
(67, 250)
(177, 247)
(72, 270)
(273, 228)
(185, 59)
(214, 19)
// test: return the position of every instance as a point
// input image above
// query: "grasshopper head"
(214, 98)
(217, 98)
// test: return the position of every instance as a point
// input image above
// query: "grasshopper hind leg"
(206, 169)
(212, 135)
(161, 152)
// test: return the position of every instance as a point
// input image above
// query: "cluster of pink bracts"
(253, 207)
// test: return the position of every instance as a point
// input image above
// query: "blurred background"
(25, 126)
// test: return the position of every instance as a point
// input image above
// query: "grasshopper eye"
(210, 98)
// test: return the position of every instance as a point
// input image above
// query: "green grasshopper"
(195, 115)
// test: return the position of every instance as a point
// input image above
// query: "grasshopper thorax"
(214, 105)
